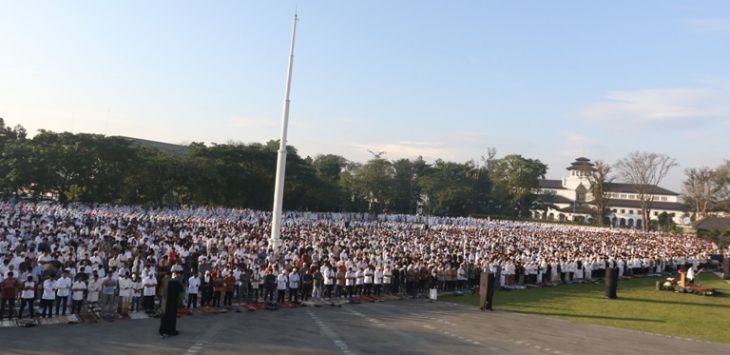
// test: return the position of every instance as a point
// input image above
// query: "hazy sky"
(552, 80)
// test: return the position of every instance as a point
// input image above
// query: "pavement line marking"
(204, 339)
(330, 334)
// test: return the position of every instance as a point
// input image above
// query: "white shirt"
(281, 282)
(193, 285)
(150, 286)
(78, 290)
(125, 287)
(49, 287)
(63, 286)
(293, 280)
(28, 290)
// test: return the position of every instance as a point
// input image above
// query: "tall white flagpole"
(275, 239)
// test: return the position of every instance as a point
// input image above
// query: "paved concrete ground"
(397, 327)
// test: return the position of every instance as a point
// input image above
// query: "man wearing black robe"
(170, 294)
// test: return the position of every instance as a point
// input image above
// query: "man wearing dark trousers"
(9, 290)
(27, 296)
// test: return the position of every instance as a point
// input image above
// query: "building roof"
(712, 223)
(633, 188)
(656, 205)
(173, 149)
(581, 163)
(583, 208)
(551, 184)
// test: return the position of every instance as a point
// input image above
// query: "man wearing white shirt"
(78, 287)
(27, 295)
(378, 281)
(125, 294)
(49, 294)
(294, 285)
(149, 292)
(193, 288)
(63, 289)
(93, 289)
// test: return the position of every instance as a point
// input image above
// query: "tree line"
(92, 168)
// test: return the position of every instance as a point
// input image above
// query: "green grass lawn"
(639, 307)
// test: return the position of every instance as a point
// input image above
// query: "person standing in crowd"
(387, 278)
(270, 285)
(217, 289)
(229, 285)
(149, 292)
(63, 289)
(350, 282)
(281, 286)
(368, 281)
(77, 296)
(108, 296)
(94, 288)
(378, 280)
(206, 285)
(48, 296)
(9, 289)
(125, 294)
(136, 292)
(193, 287)
(27, 296)
(329, 281)
(294, 286)
(256, 279)
(318, 283)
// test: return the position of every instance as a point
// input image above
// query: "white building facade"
(570, 199)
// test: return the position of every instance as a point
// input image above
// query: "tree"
(598, 179)
(449, 188)
(645, 171)
(701, 189)
(515, 179)
(374, 183)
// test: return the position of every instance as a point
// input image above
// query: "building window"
(664, 198)
(656, 213)
(631, 211)
(614, 210)
(623, 196)
(623, 211)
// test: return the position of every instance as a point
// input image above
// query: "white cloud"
(708, 25)
(663, 105)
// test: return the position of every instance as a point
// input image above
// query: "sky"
(551, 80)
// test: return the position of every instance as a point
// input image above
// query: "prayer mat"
(28, 323)
(7, 323)
(138, 315)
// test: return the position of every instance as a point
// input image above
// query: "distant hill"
(169, 148)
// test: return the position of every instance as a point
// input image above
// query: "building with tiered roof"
(570, 199)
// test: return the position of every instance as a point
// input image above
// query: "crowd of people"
(116, 257)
